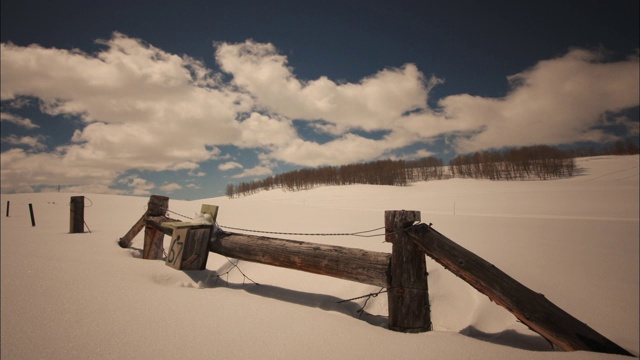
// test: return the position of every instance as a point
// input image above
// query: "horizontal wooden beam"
(358, 265)
(530, 307)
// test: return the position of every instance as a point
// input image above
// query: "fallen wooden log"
(157, 206)
(530, 307)
(358, 265)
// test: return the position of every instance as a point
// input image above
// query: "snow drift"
(81, 296)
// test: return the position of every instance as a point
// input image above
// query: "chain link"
(175, 213)
(359, 233)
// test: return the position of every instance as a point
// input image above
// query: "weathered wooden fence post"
(157, 206)
(408, 295)
(189, 247)
(76, 218)
(153, 248)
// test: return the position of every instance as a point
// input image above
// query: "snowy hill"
(80, 296)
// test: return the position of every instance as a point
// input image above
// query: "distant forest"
(532, 162)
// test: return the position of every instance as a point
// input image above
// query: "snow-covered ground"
(80, 296)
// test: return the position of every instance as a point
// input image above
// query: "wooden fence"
(403, 272)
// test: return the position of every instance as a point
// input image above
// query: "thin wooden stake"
(33, 220)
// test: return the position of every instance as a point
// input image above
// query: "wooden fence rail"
(403, 272)
(362, 266)
(530, 307)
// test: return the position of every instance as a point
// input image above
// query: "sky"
(181, 98)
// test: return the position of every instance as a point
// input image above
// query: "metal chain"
(359, 233)
(184, 216)
(382, 291)
(368, 296)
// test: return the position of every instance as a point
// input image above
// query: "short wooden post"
(158, 205)
(33, 220)
(196, 250)
(153, 247)
(7, 208)
(408, 295)
(189, 249)
(76, 218)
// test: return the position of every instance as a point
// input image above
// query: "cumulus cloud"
(138, 185)
(22, 169)
(377, 103)
(147, 109)
(266, 131)
(374, 103)
(142, 107)
(33, 142)
(230, 165)
(257, 171)
(128, 87)
(170, 187)
(18, 120)
(558, 101)
(196, 173)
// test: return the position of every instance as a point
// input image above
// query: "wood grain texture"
(358, 265)
(76, 218)
(156, 207)
(408, 295)
(530, 307)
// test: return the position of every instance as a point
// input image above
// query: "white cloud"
(21, 102)
(266, 131)
(422, 153)
(22, 169)
(557, 101)
(170, 187)
(18, 120)
(143, 108)
(138, 185)
(374, 103)
(345, 150)
(257, 171)
(34, 142)
(195, 173)
(230, 165)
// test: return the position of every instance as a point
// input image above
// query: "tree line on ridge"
(525, 163)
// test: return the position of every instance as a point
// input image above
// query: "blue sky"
(180, 98)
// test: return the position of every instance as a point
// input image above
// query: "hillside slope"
(79, 296)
